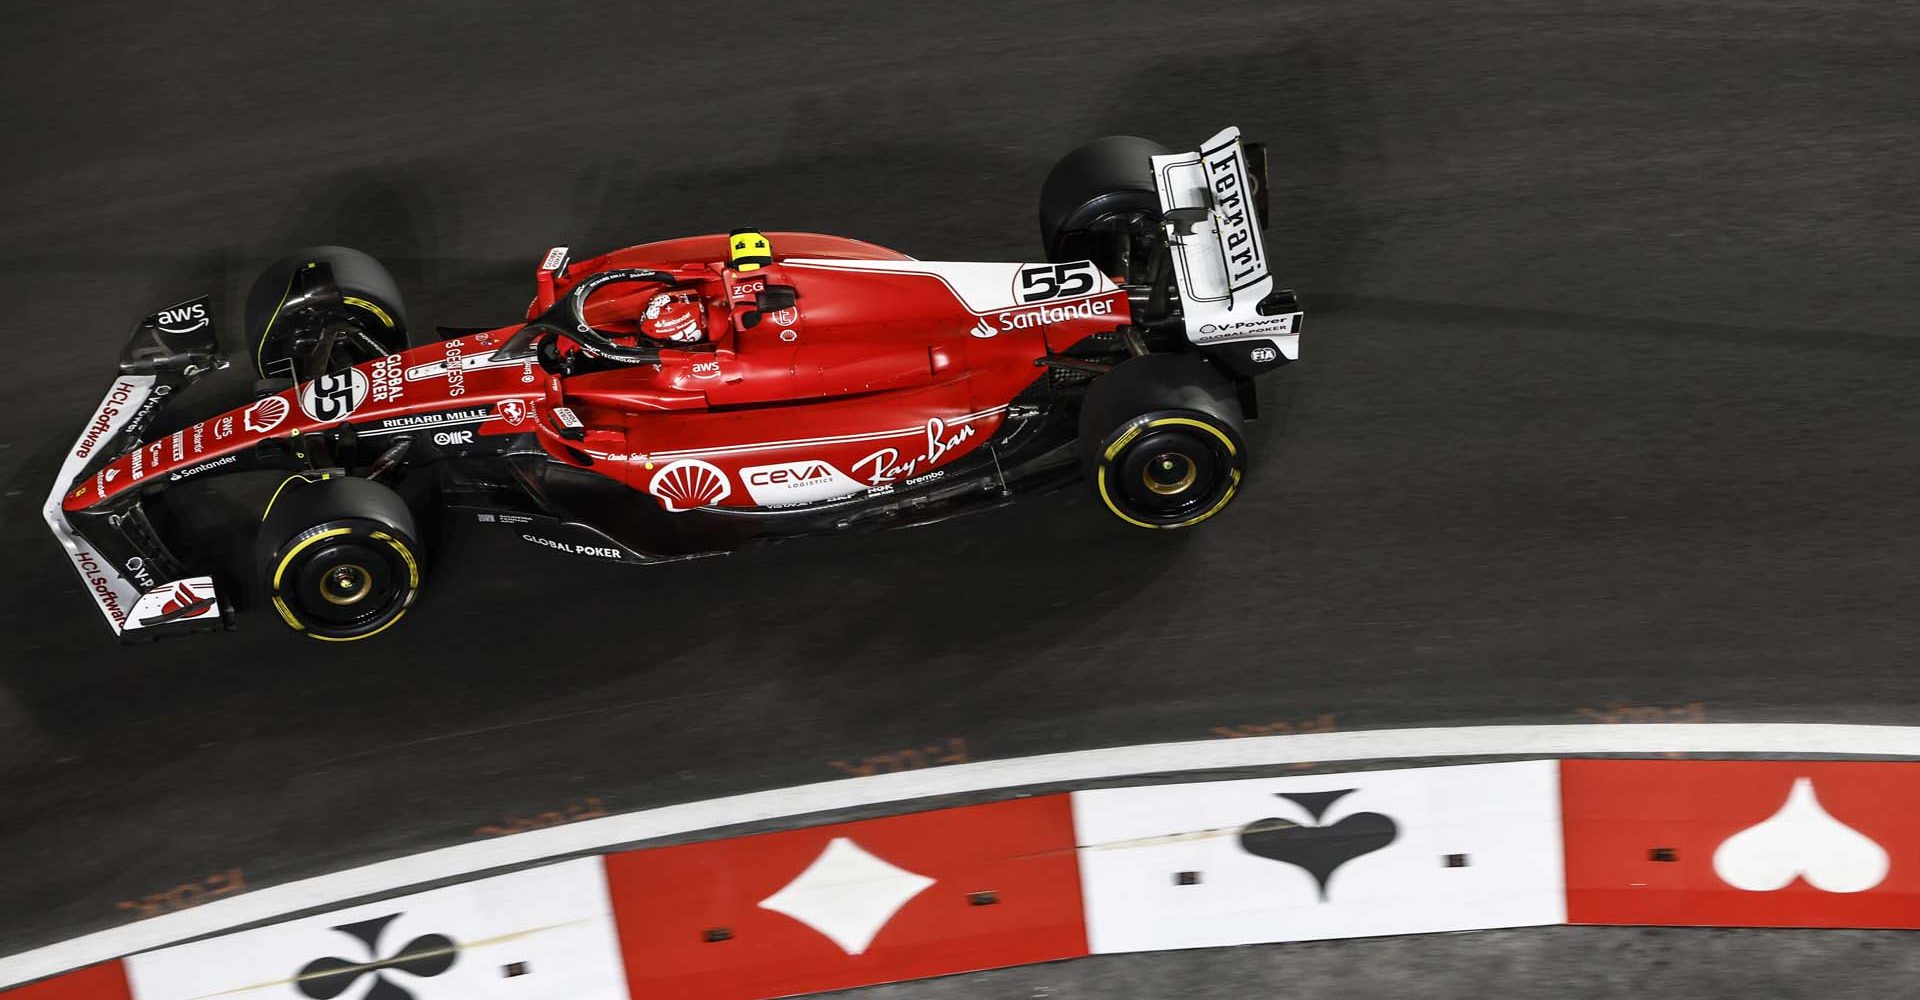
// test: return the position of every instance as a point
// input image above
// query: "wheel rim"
(1169, 472)
(344, 582)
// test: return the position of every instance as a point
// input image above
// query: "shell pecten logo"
(689, 483)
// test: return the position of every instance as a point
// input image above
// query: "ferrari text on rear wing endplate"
(1214, 205)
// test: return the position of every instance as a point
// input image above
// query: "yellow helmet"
(749, 249)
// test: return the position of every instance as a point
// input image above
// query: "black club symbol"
(425, 956)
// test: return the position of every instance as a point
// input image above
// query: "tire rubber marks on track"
(187, 894)
(952, 750)
(1322, 723)
(1620, 712)
(573, 812)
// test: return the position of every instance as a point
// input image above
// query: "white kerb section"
(1311, 857)
(545, 932)
(1797, 739)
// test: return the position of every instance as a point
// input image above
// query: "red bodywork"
(885, 370)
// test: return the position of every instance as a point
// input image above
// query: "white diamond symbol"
(847, 894)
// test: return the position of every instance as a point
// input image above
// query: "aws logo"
(184, 318)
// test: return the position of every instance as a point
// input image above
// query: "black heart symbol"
(1319, 850)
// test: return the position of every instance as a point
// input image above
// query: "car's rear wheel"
(1099, 203)
(367, 321)
(338, 557)
(1162, 442)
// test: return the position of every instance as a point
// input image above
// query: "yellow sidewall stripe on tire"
(406, 554)
(374, 308)
(280, 570)
(292, 622)
(1114, 448)
(1203, 425)
(413, 568)
(1134, 431)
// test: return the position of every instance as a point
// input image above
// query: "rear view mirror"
(774, 298)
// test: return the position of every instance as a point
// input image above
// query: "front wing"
(125, 569)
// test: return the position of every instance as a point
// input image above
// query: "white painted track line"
(1084, 765)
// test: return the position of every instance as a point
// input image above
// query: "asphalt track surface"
(1607, 410)
(1559, 963)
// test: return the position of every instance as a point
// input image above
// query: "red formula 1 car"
(688, 397)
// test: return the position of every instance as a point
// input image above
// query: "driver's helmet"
(674, 318)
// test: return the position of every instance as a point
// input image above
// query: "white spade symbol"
(1801, 839)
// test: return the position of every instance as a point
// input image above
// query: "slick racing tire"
(1161, 440)
(338, 557)
(1099, 203)
(370, 311)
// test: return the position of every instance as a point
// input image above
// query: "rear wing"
(1213, 203)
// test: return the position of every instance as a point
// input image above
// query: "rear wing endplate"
(1213, 203)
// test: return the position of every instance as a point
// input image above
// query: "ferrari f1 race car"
(688, 397)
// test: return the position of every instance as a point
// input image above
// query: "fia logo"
(1262, 355)
(423, 957)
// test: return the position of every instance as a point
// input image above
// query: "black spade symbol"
(425, 956)
(1319, 850)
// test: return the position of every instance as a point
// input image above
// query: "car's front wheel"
(338, 557)
(321, 310)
